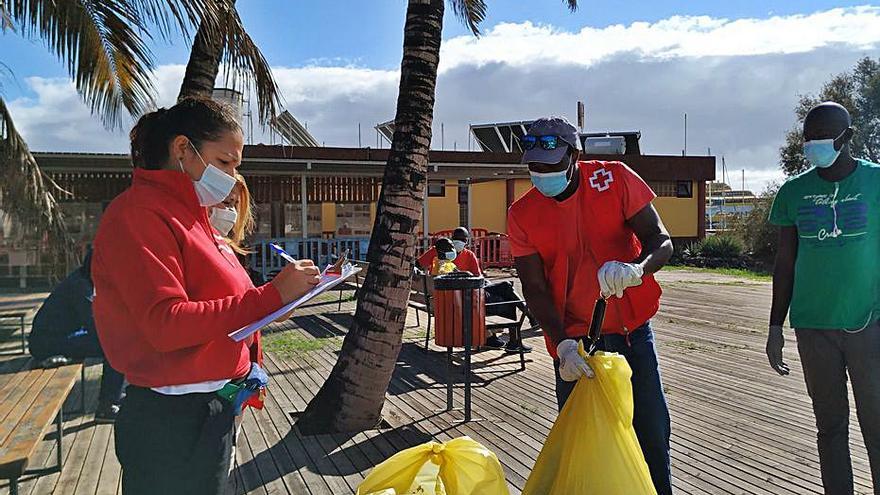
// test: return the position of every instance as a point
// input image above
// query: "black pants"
(81, 346)
(174, 444)
(827, 356)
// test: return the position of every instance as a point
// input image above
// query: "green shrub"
(759, 237)
(719, 246)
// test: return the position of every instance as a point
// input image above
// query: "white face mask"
(459, 246)
(223, 219)
(214, 186)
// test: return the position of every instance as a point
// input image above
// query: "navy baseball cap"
(551, 126)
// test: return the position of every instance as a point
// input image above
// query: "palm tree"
(352, 397)
(226, 42)
(105, 46)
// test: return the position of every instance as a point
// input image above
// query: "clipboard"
(329, 280)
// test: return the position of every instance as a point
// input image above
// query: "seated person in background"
(64, 330)
(456, 253)
(464, 259)
(444, 258)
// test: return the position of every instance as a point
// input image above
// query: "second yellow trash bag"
(458, 467)
(592, 448)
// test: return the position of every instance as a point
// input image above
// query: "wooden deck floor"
(738, 428)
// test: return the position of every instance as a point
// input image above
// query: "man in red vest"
(588, 230)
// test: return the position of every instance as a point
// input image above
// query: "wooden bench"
(18, 316)
(421, 299)
(30, 399)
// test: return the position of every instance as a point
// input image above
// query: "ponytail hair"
(199, 119)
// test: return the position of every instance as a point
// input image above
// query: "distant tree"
(858, 91)
(754, 229)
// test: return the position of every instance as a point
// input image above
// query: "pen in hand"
(282, 253)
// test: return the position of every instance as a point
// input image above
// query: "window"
(436, 188)
(684, 189)
(663, 188)
(672, 188)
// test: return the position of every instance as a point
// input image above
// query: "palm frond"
(27, 195)
(171, 16)
(244, 65)
(471, 13)
(102, 43)
(572, 5)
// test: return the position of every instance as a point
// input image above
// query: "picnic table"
(31, 400)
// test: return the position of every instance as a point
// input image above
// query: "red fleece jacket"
(168, 289)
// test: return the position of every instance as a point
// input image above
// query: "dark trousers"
(497, 292)
(827, 356)
(80, 347)
(650, 413)
(174, 444)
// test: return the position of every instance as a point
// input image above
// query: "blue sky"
(370, 33)
(736, 67)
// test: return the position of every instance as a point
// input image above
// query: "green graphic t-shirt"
(838, 225)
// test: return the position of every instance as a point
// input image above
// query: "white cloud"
(679, 36)
(738, 80)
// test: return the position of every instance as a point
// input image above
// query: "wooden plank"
(52, 388)
(94, 461)
(247, 466)
(24, 381)
(270, 476)
(288, 469)
(73, 428)
(75, 463)
(110, 480)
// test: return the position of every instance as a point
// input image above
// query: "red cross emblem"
(601, 180)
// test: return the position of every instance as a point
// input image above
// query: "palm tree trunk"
(352, 397)
(204, 63)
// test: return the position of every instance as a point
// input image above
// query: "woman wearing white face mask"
(169, 291)
(234, 217)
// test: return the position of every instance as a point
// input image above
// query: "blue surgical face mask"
(459, 246)
(551, 184)
(214, 185)
(821, 153)
(449, 255)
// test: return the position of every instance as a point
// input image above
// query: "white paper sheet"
(327, 282)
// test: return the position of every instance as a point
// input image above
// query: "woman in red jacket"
(169, 291)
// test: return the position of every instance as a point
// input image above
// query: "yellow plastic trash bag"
(592, 448)
(457, 467)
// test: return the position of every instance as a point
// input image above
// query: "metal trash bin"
(456, 296)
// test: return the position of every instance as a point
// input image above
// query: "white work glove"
(571, 364)
(617, 276)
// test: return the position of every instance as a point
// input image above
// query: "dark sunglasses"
(546, 142)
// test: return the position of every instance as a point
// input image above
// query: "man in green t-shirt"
(826, 279)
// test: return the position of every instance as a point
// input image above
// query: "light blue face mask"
(821, 153)
(551, 184)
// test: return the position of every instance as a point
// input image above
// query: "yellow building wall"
(328, 217)
(489, 205)
(680, 215)
(443, 212)
(520, 187)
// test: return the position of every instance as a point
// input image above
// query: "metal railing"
(492, 250)
(321, 251)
